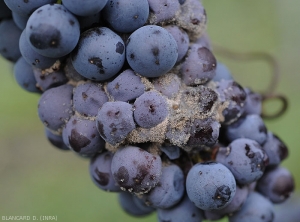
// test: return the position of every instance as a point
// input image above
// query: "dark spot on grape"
(249, 153)
(74, 121)
(120, 48)
(142, 173)
(103, 178)
(78, 141)
(71, 22)
(84, 95)
(151, 108)
(45, 36)
(222, 195)
(122, 176)
(40, 10)
(131, 56)
(262, 129)
(230, 163)
(97, 62)
(156, 32)
(155, 51)
(195, 21)
(100, 129)
(25, 1)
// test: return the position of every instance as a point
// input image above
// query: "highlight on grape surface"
(135, 87)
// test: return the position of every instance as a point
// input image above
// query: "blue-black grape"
(115, 121)
(135, 169)
(88, 98)
(184, 211)
(126, 16)
(54, 110)
(245, 158)
(275, 148)
(100, 172)
(250, 126)
(52, 31)
(56, 140)
(26, 7)
(31, 56)
(9, 40)
(100, 54)
(133, 205)
(81, 136)
(84, 8)
(155, 55)
(199, 66)
(256, 208)
(150, 109)
(170, 189)
(210, 185)
(24, 76)
(45, 81)
(181, 38)
(276, 184)
(126, 86)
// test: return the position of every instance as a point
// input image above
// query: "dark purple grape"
(275, 148)
(52, 31)
(132, 205)
(150, 109)
(199, 66)
(88, 98)
(181, 38)
(168, 85)
(256, 208)
(24, 76)
(126, 86)
(55, 110)
(245, 159)
(82, 137)
(277, 184)
(232, 94)
(170, 189)
(126, 16)
(250, 126)
(115, 121)
(99, 55)
(84, 8)
(135, 169)
(45, 81)
(204, 132)
(32, 57)
(100, 172)
(163, 10)
(210, 185)
(9, 40)
(185, 211)
(155, 55)
(56, 140)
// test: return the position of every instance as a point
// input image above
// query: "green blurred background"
(36, 179)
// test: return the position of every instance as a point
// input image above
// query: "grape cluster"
(134, 86)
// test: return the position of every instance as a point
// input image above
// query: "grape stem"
(269, 94)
